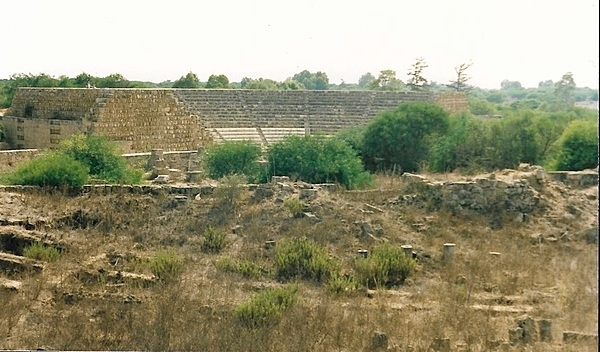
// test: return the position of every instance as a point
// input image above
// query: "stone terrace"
(187, 119)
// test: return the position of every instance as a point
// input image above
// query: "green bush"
(50, 170)
(339, 284)
(213, 240)
(40, 251)
(577, 147)
(302, 258)
(103, 158)
(318, 159)
(230, 190)
(294, 205)
(266, 308)
(385, 266)
(231, 158)
(166, 266)
(401, 138)
(246, 268)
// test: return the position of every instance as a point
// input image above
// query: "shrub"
(294, 205)
(399, 138)
(339, 284)
(302, 258)
(103, 158)
(213, 240)
(166, 266)
(266, 308)
(230, 189)
(246, 268)
(232, 158)
(40, 251)
(317, 159)
(50, 170)
(577, 147)
(386, 266)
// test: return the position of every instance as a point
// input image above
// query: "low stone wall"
(10, 159)
(575, 179)
(184, 160)
(481, 195)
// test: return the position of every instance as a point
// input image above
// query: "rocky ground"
(519, 280)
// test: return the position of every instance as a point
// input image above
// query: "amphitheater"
(188, 119)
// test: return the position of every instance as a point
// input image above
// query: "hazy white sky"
(521, 40)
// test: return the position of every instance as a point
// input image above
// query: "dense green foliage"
(103, 158)
(385, 266)
(399, 139)
(317, 160)
(217, 82)
(267, 307)
(50, 170)
(231, 158)
(312, 81)
(190, 80)
(304, 259)
(578, 146)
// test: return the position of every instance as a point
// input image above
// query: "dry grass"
(472, 299)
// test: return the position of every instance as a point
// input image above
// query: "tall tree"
(563, 90)
(460, 84)
(417, 82)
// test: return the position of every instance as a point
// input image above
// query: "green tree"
(365, 80)
(231, 158)
(416, 81)
(317, 160)
(386, 81)
(50, 170)
(506, 84)
(115, 80)
(563, 91)
(188, 81)
(578, 146)
(290, 84)
(312, 81)
(217, 82)
(400, 138)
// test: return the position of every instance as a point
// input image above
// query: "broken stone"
(161, 179)
(545, 328)
(308, 194)
(441, 344)
(578, 337)
(528, 325)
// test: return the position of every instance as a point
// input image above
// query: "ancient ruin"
(186, 119)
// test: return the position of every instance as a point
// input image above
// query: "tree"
(312, 81)
(386, 81)
(188, 81)
(506, 84)
(365, 80)
(217, 82)
(399, 138)
(290, 84)
(416, 81)
(460, 84)
(563, 90)
(115, 80)
(578, 146)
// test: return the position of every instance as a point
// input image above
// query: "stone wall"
(177, 119)
(10, 159)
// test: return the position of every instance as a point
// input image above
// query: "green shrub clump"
(386, 266)
(213, 240)
(166, 266)
(577, 147)
(50, 170)
(103, 158)
(318, 159)
(40, 251)
(246, 268)
(302, 258)
(266, 308)
(231, 158)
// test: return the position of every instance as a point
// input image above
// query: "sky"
(519, 40)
